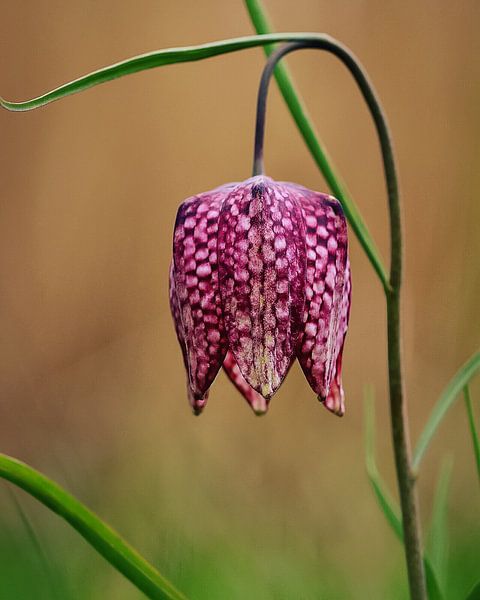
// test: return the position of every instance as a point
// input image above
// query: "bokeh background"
(92, 391)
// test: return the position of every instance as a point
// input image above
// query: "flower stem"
(403, 454)
(399, 422)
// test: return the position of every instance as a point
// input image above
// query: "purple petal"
(335, 401)
(261, 244)
(197, 402)
(196, 282)
(327, 300)
(258, 403)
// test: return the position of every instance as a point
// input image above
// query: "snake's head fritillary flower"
(260, 276)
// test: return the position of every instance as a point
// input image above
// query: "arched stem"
(171, 56)
(399, 422)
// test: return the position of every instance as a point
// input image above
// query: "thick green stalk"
(402, 453)
(97, 533)
(398, 406)
(399, 421)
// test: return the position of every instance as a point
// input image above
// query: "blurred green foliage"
(217, 568)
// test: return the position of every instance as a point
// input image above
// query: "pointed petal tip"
(195, 297)
(335, 401)
(260, 406)
(256, 401)
(260, 413)
(261, 251)
(197, 409)
(197, 402)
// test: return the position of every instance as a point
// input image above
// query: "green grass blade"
(193, 53)
(433, 588)
(473, 428)
(389, 509)
(99, 535)
(35, 541)
(385, 500)
(388, 506)
(151, 60)
(311, 137)
(437, 543)
(447, 398)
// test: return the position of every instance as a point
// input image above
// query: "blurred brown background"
(91, 378)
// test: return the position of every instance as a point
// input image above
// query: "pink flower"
(260, 276)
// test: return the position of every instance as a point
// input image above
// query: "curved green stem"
(193, 53)
(312, 140)
(97, 533)
(392, 290)
(400, 434)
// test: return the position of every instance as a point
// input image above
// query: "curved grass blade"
(311, 137)
(389, 507)
(193, 53)
(99, 535)
(151, 60)
(438, 535)
(447, 398)
(473, 428)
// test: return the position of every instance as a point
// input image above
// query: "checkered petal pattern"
(260, 276)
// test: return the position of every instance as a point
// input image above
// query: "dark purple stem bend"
(398, 412)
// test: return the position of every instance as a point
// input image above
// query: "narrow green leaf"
(193, 53)
(473, 428)
(97, 533)
(433, 588)
(318, 151)
(388, 506)
(385, 500)
(447, 398)
(437, 543)
(151, 60)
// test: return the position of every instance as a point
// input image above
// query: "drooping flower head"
(260, 276)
